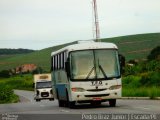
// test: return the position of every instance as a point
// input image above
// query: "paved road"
(29, 106)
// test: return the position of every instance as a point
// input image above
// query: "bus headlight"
(78, 89)
(115, 87)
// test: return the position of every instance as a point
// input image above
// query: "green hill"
(132, 47)
(136, 46)
(40, 58)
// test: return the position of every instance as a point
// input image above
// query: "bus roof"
(86, 46)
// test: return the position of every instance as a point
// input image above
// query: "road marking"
(143, 108)
(42, 105)
(64, 111)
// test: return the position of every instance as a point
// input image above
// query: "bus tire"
(51, 99)
(112, 102)
(70, 104)
(96, 103)
(38, 100)
(60, 102)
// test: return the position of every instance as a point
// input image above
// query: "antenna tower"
(96, 22)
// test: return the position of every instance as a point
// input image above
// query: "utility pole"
(96, 22)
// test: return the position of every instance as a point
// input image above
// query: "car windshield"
(94, 64)
(46, 84)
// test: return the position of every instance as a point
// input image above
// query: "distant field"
(132, 47)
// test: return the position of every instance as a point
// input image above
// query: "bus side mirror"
(122, 62)
(33, 85)
(67, 68)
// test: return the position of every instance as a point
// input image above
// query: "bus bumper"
(83, 97)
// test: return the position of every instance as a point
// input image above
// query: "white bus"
(86, 73)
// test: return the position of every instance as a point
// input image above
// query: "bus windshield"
(41, 85)
(94, 64)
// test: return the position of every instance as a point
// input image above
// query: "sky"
(38, 24)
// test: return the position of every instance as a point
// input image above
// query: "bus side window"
(52, 63)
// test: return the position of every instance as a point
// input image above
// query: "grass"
(140, 44)
(151, 92)
(21, 82)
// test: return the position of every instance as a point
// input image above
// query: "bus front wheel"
(70, 104)
(96, 103)
(112, 102)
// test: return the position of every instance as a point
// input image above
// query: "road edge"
(141, 98)
(22, 99)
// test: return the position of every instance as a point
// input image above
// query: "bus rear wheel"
(38, 100)
(60, 102)
(112, 102)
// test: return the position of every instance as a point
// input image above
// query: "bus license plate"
(97, 99)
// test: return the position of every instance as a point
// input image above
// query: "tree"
(38, 70)
(5, 74)
(155, 54)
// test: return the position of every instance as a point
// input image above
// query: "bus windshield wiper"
(100, 67)
(90, 72)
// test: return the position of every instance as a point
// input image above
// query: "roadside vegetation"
(7, 95)
(7, 85)
(142, 79)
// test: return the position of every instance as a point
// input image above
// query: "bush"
(153, 65)
(131, 81)
(143, 67)
(150, 79)
(7, 95)
(133, 70)
(38, 70)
